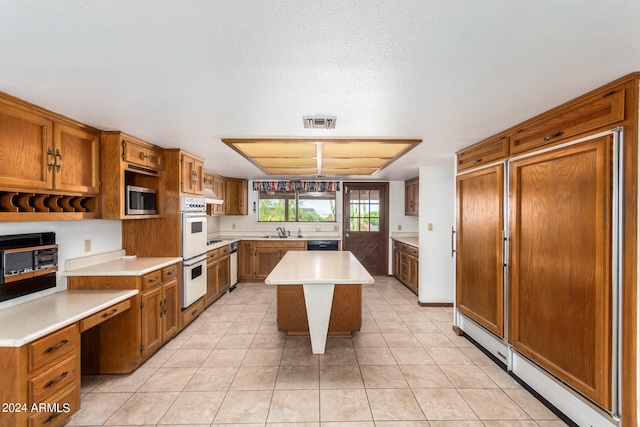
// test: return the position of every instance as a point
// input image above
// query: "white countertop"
(34, 319)
(319, 267)
(124, 267)
(413, 241)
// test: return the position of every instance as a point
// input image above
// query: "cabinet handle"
(112, 312)
(553, 135)
(57, 380)
(51, 161)
(453, 234)
(475, 162)
(161, 309)
(194, 312)
(165, 307)
(153, 279)
(171, 273)
(59, 156)
(55, 347)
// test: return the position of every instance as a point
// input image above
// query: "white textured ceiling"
(186, 73)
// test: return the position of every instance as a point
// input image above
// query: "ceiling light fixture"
(319, 122)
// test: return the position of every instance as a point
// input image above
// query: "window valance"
(293, 186)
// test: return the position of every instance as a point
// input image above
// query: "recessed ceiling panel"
(339, 157)
(274, 162)
(262, 149)
(328, 162)
(292, 171)
(363, 150)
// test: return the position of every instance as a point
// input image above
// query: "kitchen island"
(319, 274)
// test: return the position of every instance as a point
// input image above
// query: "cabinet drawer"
(169, 273)
(53, 380)
(224, 250)
(58, 411)
(134, 153)
(152, 279)
(484, 152)
(593, 113)
(412, 251)
(192, 312)
(104, 315)
(397, 245)
(53, 347)
(213, 254)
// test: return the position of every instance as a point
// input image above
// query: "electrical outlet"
(233, 226)
(317, 228)
(430, 227)
(399, 227)
(336, 228)
(87, 245)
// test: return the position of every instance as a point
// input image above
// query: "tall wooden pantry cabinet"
(546, 260)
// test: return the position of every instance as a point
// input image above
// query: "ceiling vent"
(319, 122)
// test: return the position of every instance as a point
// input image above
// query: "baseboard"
(435, 304)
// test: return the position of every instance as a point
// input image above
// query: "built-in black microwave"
(141, 201)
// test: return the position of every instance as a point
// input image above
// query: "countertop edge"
(120, 295)
(93, 271)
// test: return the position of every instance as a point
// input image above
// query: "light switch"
(87, 245)
(399, 227)
(430, 227)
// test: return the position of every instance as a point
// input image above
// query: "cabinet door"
(413, 274)
(219, 187)
(76, 159)
(198, 167)
(266, 259)
(26, 149)
(134, 153)
(170, 313)
(411, 197)
(212, 282)
(235, 198)
(246, 259)
(224, 277)
(155, 158)
(152, 304)
(190, 175)
(560, 287)
(480, 286)
(396, 263)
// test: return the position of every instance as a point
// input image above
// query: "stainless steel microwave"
(141, 201)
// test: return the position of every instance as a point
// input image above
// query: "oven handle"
(195, 260)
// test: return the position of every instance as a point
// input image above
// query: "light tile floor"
(232, 367)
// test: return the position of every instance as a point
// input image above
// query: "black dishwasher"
(322, 245)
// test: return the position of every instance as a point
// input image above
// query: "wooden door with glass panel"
(366, 229)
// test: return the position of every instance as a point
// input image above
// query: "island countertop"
(318, 267)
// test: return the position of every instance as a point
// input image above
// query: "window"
(297, 206)
(364, 210)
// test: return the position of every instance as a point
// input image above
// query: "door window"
(364, 208)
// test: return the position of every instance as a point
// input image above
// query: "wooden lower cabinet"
(120, 345)
(41, 380)
(346, 310)
(256, 258)
(159, 318)
(479, 270)
(405, 265)
(218, 274)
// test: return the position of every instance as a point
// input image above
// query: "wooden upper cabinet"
(127, 160)
(142, 155)
(76, 153)
(236, 196)
(192, 171)
(602, 109)
(487, 151)
(38, 153)
(26, 149)
(412, 197)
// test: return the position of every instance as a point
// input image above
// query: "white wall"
(437, 193)
(70, 236)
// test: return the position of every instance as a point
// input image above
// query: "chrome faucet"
(281, 232)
